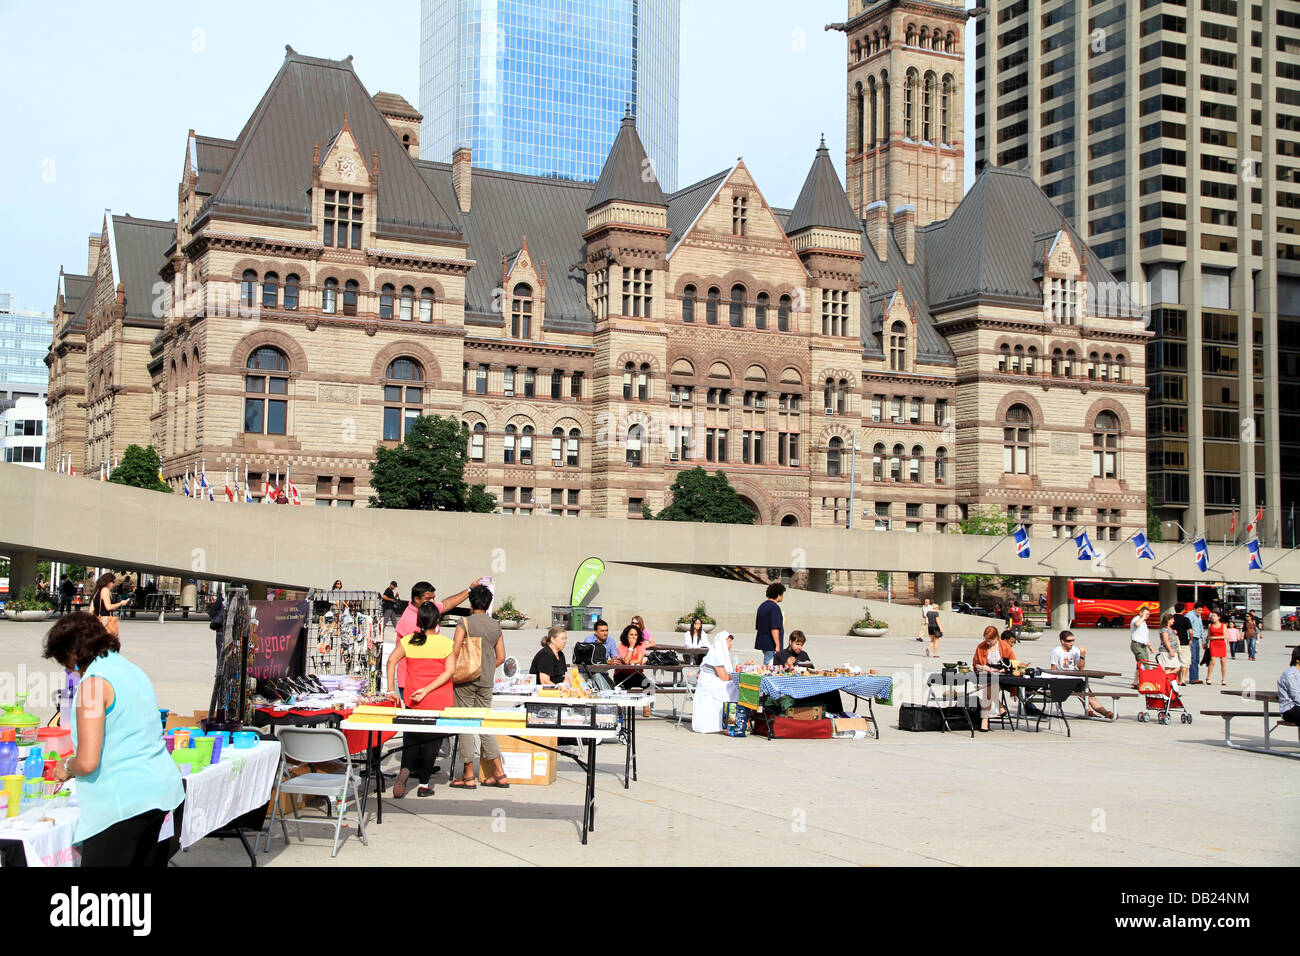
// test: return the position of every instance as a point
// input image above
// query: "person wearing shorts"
(1140, 640)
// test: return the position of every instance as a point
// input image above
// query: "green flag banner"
(585, 579)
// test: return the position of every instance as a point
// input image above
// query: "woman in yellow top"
(430, 664)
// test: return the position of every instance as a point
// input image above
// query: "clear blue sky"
(97, 101)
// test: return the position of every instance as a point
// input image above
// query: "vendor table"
(953, 679)
(866, 687)
(649, 670)
(627, 703)
(240, 782)
(1024, 687)
(311, 717)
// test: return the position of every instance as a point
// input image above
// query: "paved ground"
(1121, 794)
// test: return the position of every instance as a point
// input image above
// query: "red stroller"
(1161, 692)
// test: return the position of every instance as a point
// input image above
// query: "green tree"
(710, 499)
(1155, 527)
(139, 468)
(426, 472)
(992, 522)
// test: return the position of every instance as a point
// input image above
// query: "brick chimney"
(92, 254)
(460, 176)
(905, 231)
(877, 221)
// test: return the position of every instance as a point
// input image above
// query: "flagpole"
(1211, 567)
(1043, 559)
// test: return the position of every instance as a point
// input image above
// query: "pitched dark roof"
(882, 279)
(394, 104)
(822, 201)
(74, 288)
(270, 173)
(622, 177)
(685, 205)
(212, 159)
(138, 247)
(506, 208)
(81, 317)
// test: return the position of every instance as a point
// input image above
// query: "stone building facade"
(322, 286)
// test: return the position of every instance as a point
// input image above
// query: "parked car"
(961, 607)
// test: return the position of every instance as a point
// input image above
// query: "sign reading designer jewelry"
(274, 632)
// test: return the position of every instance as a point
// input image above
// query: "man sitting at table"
(1068, 657)
(1288, 689)
(602, 636)
(794, 654)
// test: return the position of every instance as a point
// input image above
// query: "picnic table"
(627, 703)
(1265, 697)
(679, 683)
(696, 652)
(1088, 675)
(1051, 690)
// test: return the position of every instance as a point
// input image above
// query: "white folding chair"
(690, 676)
(312, 745)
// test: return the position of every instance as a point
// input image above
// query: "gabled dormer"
(523, 299)
(344, 187)
(898, 331)
(1064, 279)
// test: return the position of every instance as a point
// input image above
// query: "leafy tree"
(426, 472)
(1155, 527)
(710, 499)
(992, 522)
(139, 468)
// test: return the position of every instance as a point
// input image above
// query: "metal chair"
(313, 745)
(1051, 702)
(690, 677)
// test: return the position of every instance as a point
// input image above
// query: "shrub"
(29, 601)
(868, 622)
(506, 611)
(700, 611)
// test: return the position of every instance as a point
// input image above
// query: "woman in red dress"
(430, 665)
(1218, 633)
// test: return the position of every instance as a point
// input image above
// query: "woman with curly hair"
(127, 783)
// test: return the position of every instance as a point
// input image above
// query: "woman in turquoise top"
(127, 783)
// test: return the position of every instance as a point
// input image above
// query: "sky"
(98, 98)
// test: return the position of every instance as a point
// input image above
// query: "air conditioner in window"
(899, 420)
(525, 461)
(830, 411)
(509, 393)
(794, 462)
(674, 457)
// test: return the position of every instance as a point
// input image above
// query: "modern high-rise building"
(539, 86)
(24, 340)
(1168, 133)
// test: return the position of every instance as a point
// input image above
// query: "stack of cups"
(203, 751)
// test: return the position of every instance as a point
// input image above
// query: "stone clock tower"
(906, 140)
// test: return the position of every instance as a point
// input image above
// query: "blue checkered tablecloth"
(864, 685)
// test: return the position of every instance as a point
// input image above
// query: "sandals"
(399, 785)
(502, 785)
(463, 784)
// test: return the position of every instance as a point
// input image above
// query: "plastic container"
(169, 741)
(34, 774)
(218, 741)
(14, 793)
(202, 751)
(8, 752)
(23, 724)
(246, 740)
(58, 739)
(181, 740)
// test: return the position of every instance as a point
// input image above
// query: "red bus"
(1104, 603)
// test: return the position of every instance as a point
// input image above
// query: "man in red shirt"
(1016, 617)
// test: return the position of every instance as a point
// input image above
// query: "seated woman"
(990, 658)
(430, 664)
(714, 687)
(695, 636)
(639, 621)
(632, 647)
(788, 657)
(548, 663)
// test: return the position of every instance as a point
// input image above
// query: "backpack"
(589, 652)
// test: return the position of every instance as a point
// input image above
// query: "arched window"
(945, 109)
(329, 297)
(1092, 365)
(1105, 367)
(783, 314)
(571, 452)
(403, 397)
(859, 117)
(291, 292)
(557, 446)
(909, 104)
(526, 445)
(406, 304)
(1004, 358)
(760, 311)
(1016, 430)
(266, 389)
(1057, 362)
(688, 304)
(386, 295)
(878, 462)
(508, 445)
(828, 394)
(896, 464)
(1031, 360)
(350, 289)
(521, 312)
(940, 465)
(426, 305)
(711, 306)
(842, 397)
(736, 310)
(885, 104)
(898, 347)
(873, 118)
(270, 290)
(1017, 359)
(629, 372)
(833, 454)
(914, 464)
(248, 289)
(643, 383)
(1069, 363)
(909, 36)
(1121, 368)
(1105, 446)
(477, 440)
(927, 108)
(635, 436)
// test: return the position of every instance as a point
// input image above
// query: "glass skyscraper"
(539, 86)
(24, 339)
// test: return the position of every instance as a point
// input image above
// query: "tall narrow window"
(526, 445)
(571, 449)
(386, 295)
(945, 110)
(711, 306)
(403, 397)
(688, 304)
(914, 463)
(940, 465)
(873, 122)
(896, 464)
(1105, 446)
(521, 312)
(350, 290)
(637, 292)
(480, 380)
(1016, 433)
(635, 436)
(643, 382)
(477, 439)
(736, 309)
(878, 462)
(927, 108)
(508, 444)
(557, 384)
(898, 347)
(291, 292)
(833, 454)
(426, 305)
(783, 314)
(266, 389)
(248, 289)
(842, 397)
(406, 306)
(760, 310)
(270, 290)
(329, 300)
(530, 382)
(739, 215)
(629, 373)
(909, 105)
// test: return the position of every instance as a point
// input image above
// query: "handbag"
(110, 625)
(469, 662)
(663, 659)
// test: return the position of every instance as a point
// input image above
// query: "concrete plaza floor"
(1118, 794)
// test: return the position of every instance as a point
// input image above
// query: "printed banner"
(585, 579)
(274, 631)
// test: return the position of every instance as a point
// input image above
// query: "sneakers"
(424, 790)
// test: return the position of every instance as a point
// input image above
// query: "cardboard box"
(525, 763)
(804, 713)
(849, 726)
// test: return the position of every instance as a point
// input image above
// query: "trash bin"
(575, 618)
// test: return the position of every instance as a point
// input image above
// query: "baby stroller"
(1161, 692)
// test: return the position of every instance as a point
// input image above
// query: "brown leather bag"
(110, 625)
(469, 662)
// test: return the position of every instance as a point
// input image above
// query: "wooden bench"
(1269, 717)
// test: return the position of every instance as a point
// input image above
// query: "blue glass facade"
(539, 86)
(24, 339)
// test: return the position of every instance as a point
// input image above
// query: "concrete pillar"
(1168, 595)
(1059, 606)
(22, 571)
(1271, 605)
(942, 591)
(818, 578)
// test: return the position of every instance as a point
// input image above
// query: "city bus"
(1105, 603)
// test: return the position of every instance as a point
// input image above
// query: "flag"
(210, 498)
(248, 493)
(1022, 542)
(292, 491)
(72, 470)
(161, 479)
(185, 487)
(1256, 563)
(1202, 554)
(203, 481)
(1086, 550)
(230, 495)
(1143, 546)
(1259, 515)
(1232, 526)
(271, 493)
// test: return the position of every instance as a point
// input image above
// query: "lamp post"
(853, 474)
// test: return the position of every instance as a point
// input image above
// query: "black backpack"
(589, 652)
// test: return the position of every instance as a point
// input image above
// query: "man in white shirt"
(1139, 639)
(1067, 657)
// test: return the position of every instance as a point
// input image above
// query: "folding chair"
(313, 745)
(690, 677)
(1052, 700)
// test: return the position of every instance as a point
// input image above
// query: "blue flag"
(1086, 551)
(1143, 546)
(1022, 542)
(1202, 554)
(1256, 562)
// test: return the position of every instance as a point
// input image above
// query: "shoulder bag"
(469, 662)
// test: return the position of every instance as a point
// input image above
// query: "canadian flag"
(292, 490)
(1250, 528)
(230, 495)
(271, 493)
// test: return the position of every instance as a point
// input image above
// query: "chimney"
(877, 220)
(905, 231)
(460, 176)
(92, 254)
